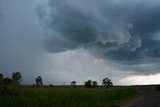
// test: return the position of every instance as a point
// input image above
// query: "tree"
(107, 82)
(1, 78)
(7, 81)
(94, 84)
(39, 81)
(50, 85)
(88, 84)
(73, 83)
(16, 77)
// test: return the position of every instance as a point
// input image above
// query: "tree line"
(16, 78)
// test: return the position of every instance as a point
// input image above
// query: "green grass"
(28, 96)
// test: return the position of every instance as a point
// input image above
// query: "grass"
(27, 96)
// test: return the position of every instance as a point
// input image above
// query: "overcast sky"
(65, 40)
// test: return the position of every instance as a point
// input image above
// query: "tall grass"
(67, 97)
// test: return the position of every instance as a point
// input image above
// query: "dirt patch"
(151, 99)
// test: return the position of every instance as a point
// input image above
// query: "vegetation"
(73, 83)
(7, 81)
(16, 77)
(107, 82)
(12, 94)
(1, 79)
(50, 85)
(88, 84)
(94, 84)
(28, 96)
(39, 81)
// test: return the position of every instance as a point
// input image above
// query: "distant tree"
(107, 82)
(73, 83)
(88, 84)
(33, 85)
(7, 81)
(50, 85)
(1, 78)
(39, 81)
(1, 81)
(16, 77)
(94, 84)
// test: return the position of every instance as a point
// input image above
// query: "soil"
(151, 99)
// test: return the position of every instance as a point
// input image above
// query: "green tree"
(88, 84)
(7, 81)
(1, 78)
(107, 82)
(39, 81)
(94, 84)
(16, 77)
(1, 81)
(73, 83)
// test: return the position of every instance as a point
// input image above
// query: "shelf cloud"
(119, 30)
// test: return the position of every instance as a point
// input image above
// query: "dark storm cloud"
(119, 30)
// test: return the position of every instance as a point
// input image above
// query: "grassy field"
(28, 96)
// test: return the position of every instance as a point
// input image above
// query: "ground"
(151, 99)
(79, 96)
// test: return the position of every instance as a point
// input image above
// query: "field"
(28, 96)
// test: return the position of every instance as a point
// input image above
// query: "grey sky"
(20, 37)
(65, 40)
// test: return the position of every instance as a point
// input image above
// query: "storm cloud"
(120, 30)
